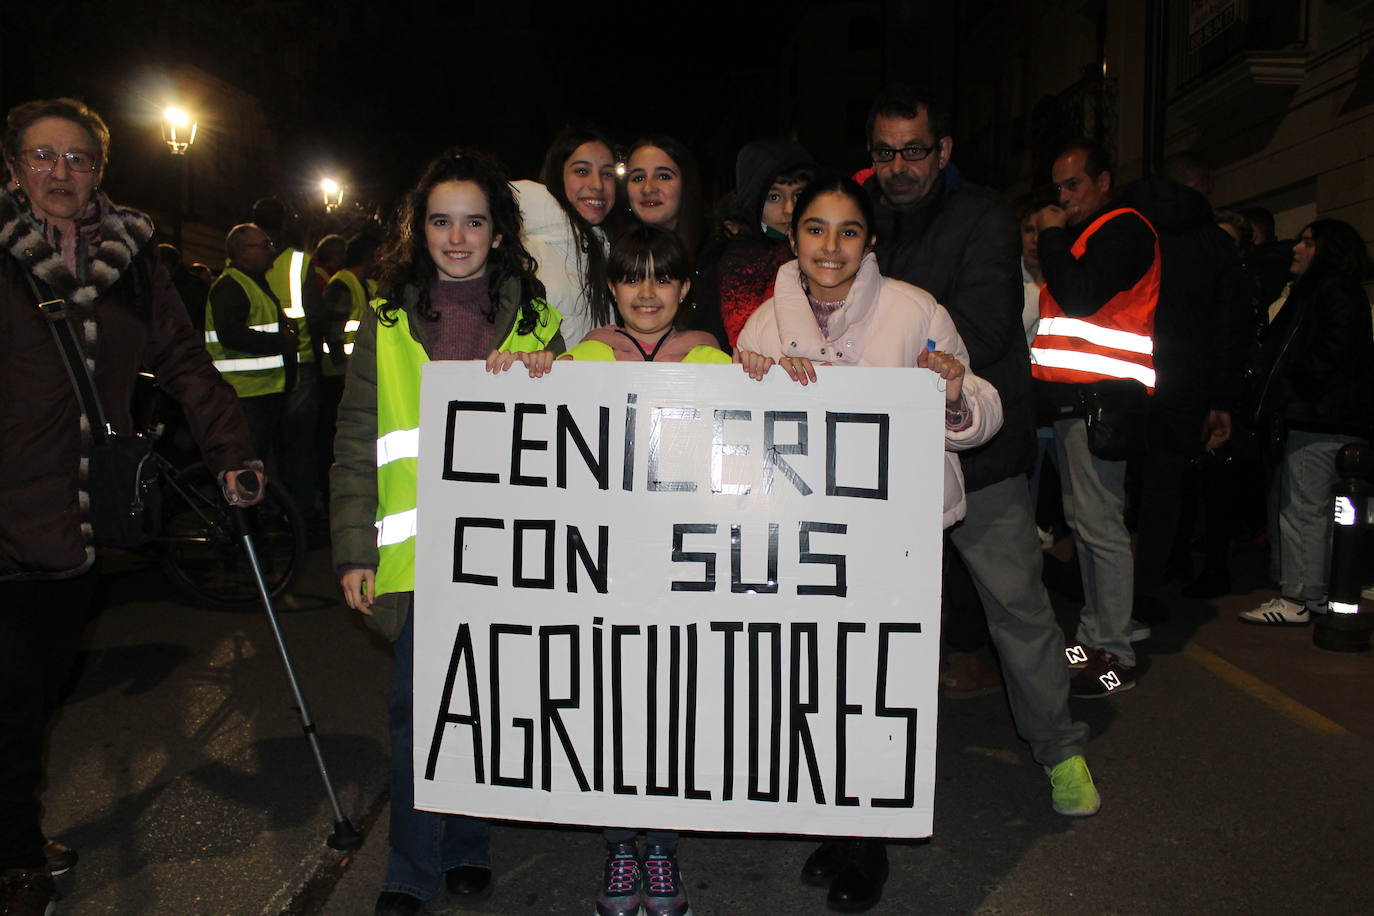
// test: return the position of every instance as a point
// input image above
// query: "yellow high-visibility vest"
(251, 374)
(400, 359)
(287, 276)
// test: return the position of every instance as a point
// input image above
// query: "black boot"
(393, 903)
(823, 863)
(858, 885)
(468, 881)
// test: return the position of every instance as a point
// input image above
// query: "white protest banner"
(669, 596)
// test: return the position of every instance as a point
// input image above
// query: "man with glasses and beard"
(960, 243)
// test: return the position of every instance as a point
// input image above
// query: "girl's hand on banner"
(756, 365)
(798, 369)
(539, 362)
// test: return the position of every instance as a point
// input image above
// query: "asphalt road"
(1235, 778)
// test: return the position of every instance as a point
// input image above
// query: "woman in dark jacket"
(1317, 387)
(62, 238)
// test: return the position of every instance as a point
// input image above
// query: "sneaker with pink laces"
(663, 893)
(620, 884)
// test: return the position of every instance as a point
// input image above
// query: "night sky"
(374, 90)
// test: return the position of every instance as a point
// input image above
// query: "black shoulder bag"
(126, 502)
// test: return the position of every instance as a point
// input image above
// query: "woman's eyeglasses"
(45, 160)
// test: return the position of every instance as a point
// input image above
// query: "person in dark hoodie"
(738, 276)
(1200, 334)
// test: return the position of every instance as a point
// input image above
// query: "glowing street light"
(178, 130)
(333, 193)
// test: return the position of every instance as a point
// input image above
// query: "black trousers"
(40, 633)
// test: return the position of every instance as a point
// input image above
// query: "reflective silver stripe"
(398, 444)
(1094, 362)
(297, 308)
(348, 348)
(351, 324)
(395, 528)
(270, 328)
(1103, 337)
(249, 364)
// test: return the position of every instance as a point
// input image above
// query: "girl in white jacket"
(832, 307)
(566, 219)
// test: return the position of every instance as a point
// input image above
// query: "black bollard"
(1343, 628)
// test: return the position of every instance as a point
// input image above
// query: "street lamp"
(178, 130)
(333, 193)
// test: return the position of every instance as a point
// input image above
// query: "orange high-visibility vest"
(1115, 342)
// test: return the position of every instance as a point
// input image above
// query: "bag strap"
(55, 310)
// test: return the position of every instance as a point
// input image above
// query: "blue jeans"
(424, 845)
(1304, 507)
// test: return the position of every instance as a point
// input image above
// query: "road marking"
(1238, 677)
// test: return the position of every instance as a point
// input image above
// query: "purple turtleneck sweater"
(462, 331)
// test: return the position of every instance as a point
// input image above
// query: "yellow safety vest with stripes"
(400, 360)
(360, 298)
(287, 276)
(251, 374)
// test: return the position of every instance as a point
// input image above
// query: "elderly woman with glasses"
(61, 238)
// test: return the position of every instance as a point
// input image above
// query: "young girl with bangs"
(455, 283)
(567, 215)
(649, 277)
(832, 307)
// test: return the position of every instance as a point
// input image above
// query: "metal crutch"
(344, 836)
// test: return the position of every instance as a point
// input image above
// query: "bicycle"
(198, 544)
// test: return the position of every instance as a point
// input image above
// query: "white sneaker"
(1278, 612)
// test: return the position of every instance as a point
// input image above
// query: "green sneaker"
(1072, 789)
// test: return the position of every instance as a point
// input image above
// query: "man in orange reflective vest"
(1102, 270)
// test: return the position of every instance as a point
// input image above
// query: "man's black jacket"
(960, 243)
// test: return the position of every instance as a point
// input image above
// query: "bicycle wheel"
(201, 552)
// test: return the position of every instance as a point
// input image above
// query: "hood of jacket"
(755, 167)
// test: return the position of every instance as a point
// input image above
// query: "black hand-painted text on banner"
(669, 596)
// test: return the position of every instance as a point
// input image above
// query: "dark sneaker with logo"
(1102, 676)
(27, 892)
(663, 894)
(620, 884)
(1077, 655)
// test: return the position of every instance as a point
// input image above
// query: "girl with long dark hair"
(663, 187)
(566, 217)
(455, 283)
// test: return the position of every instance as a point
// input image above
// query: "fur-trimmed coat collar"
(121, 234)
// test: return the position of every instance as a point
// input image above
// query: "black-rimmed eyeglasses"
(912, 153)
(45, 160)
